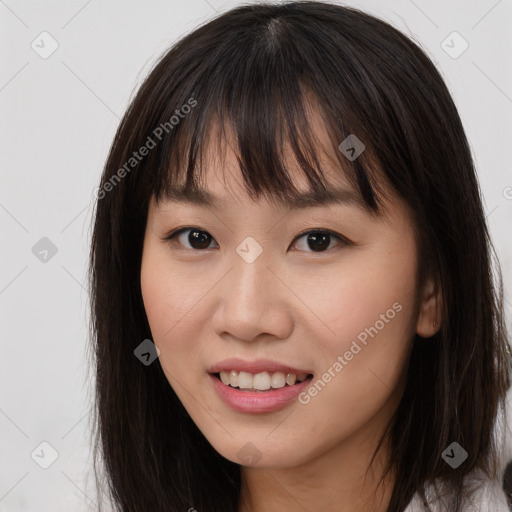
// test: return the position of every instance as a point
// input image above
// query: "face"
(261, 291)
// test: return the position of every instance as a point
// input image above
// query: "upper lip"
(256, 366)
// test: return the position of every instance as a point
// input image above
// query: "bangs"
(265, 144)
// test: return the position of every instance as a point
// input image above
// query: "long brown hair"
(253, 69)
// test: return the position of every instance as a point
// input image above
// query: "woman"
(293, 305)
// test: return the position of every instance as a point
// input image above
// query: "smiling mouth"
(261, 382)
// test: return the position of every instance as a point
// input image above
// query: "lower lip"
(257, 402)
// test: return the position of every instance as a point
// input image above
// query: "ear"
(429, 316)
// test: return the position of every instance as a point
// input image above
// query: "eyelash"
(344, 241)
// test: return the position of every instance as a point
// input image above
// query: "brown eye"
(196, 239)
(319, 241)
(199, 239)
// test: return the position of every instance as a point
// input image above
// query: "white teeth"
(290, 379)
(244, 380)
(260, 381)
(278, 380)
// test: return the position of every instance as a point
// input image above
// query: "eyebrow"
(310, 199)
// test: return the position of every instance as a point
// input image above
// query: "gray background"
(58, 117)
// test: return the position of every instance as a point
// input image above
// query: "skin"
(295, 306)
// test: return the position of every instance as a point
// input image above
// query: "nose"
(253, 303)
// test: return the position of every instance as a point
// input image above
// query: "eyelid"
(178, 231)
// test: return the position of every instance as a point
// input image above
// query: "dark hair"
(255, 69)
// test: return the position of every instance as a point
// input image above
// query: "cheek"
(376, 292)
(157, 296)
(169, 295)
(172, 301)
(369, 313)
(162, 296)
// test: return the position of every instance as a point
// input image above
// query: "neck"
(334, 481)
